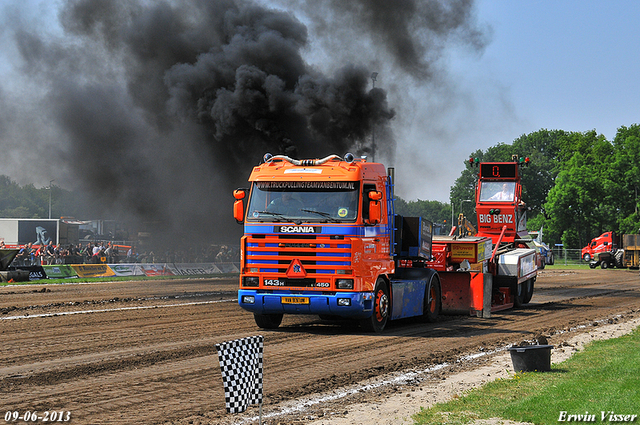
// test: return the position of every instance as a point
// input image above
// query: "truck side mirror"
(375, 212)
(238, 205)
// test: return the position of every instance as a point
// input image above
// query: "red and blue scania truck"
(321, 237)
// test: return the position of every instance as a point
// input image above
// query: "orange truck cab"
(321, 237)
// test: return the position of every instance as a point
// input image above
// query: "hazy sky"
(569, 65)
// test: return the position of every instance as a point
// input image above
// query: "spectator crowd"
(109, 253)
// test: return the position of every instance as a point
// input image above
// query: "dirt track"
(144, 352)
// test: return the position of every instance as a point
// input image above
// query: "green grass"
(603, 377)
(558, 266)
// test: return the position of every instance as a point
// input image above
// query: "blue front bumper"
(270, 302)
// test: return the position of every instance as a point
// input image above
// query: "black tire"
(268, 321)
(381, 308)
(528, 285)
(519, 295)
(604, 264)
(551, 260)
(619, 257)
(586, 257)
(432, 299)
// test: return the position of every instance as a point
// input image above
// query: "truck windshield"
(304, 201)
(497, 191)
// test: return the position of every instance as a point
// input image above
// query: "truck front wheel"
(381, 307)
(586, 257)
(268, 321)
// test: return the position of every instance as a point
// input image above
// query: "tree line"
(30, 202)
(579, 184)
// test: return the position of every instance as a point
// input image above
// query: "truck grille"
(320, 255)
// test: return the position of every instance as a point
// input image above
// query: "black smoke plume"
(163, 107)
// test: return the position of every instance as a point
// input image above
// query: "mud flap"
(487, 290)
(481, 284)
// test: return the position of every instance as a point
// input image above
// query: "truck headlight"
(251, 281)
(344, 284)
(344, 302)
(248, 299)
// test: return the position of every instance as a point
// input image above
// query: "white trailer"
(17, 232)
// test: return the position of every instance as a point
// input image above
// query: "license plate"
(295, 300)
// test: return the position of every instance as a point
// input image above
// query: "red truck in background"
(612, 250)
(606, 242)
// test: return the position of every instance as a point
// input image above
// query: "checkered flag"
(241, 365)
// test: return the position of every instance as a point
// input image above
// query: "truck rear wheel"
(432, 299)
(381, 308)
(268, 321)
(519, 294)
(528, 286)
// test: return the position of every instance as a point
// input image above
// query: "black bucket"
(531, 358)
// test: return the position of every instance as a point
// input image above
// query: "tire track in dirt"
(160, 365)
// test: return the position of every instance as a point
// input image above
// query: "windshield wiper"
(323, 214)
(275, 214)
(280, 216)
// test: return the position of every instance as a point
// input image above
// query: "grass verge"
(603, 378)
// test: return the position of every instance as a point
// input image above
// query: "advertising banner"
(228, 268)
(93, 270)
(190, 269)
(127, 269)
(59, 271)
(156, 269)
(35, 272)
(464, 251)
(64, 271)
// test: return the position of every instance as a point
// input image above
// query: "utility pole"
(50, 181)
